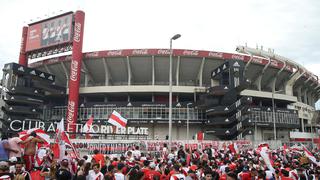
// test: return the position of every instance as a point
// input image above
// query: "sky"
(290, 27)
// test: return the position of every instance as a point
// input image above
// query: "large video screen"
(50, 32)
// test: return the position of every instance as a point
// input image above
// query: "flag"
(199, 136)
(117, 120)
(87, 128)
(234, 148)
(310, 156)
(61, 141)
(59, 146)
(265, 154)
(41, 134)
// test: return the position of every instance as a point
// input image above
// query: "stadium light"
(177, 36)
(170, 90)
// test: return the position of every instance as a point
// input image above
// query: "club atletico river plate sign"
(18, 125)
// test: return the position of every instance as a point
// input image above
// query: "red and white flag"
(234, 148)
(199, 136)
(310, 156)
(61, 141)
(263, 150)
(87, 128)
(41, 134)
(117, 120)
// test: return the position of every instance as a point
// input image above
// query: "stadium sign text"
(18, 125)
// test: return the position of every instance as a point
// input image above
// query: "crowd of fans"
(178, 164)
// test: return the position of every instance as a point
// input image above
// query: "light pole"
(274, 118)
(188, 117)
(170, 89)
(274, 115)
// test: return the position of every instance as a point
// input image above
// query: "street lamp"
(188, 117)
(170, 89)
(274, 115)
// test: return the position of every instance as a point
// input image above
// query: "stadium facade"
(135, 82)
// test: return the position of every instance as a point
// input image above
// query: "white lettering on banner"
(239, 57)
(257, 60)
(190, 53)
(215, 54)
(77, 31)
(51, 127)
(140, 52)
(115, 53)
(74, 70)
(92, 54)
(18, 125)
(103, 129)
(164, 51)
(14, 122)
(33, 34)
(71, 105)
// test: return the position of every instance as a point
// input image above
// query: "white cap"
(13, 159)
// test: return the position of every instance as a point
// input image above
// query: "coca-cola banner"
(22, 57)
(75, 67)
(176, 52)
(166, 52)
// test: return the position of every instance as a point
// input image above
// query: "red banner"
(22, 57)
(75, 72)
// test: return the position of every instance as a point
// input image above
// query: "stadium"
(251, 94)
(135, 83)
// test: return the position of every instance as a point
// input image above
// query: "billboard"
(50, 32)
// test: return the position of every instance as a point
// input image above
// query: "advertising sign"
(51, 32)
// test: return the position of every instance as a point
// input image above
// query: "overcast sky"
(290, 27)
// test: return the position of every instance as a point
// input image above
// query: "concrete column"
(178, 71)
(153, 72)
(299, 93)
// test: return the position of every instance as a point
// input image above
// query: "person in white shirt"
(177, 175)
(171, 155)
(136, 153)
(95, 173)
(119, 175)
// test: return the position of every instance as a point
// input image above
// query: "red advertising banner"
(22, 57)
(51, 32)
(75, 67)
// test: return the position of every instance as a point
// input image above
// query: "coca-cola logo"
(140, 52)
(190, 53)
(215, 54)
(238, 57)
(164, 51)
(92, 54)
(71, 108)
(115, 53)
(77, 31)
(257, 60)
(74, 70)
